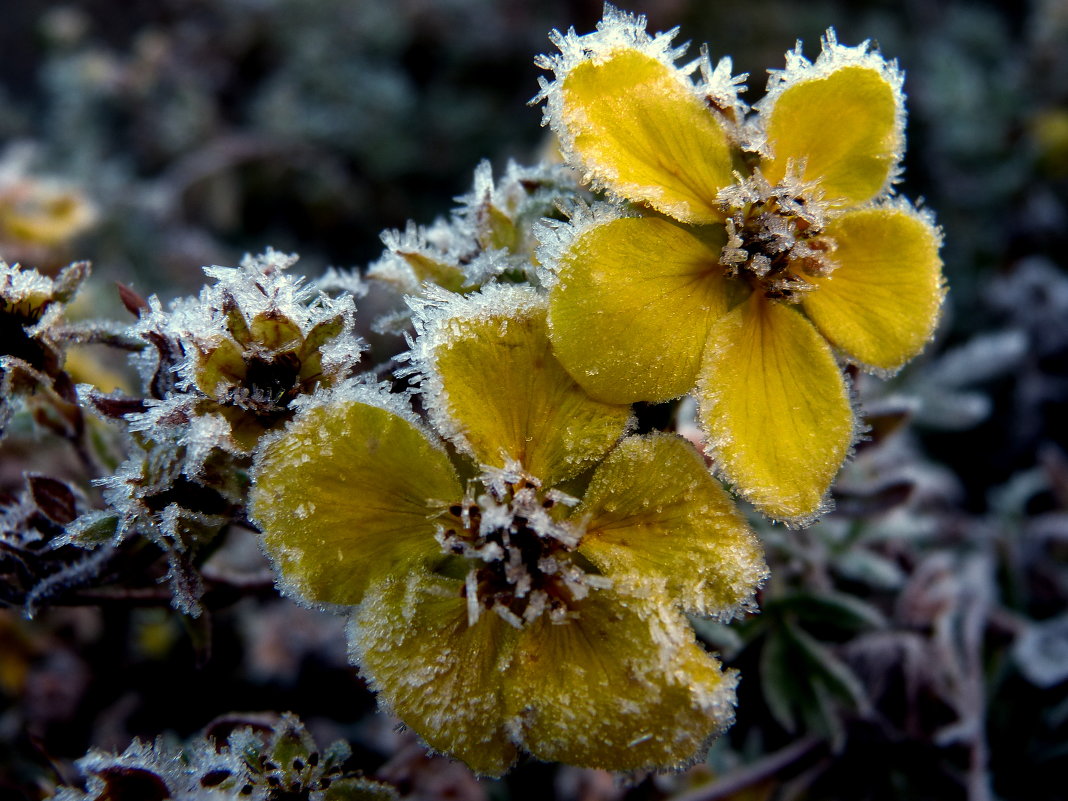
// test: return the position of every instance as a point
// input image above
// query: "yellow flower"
(755, 252)
(509, 616)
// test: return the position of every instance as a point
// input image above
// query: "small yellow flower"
(754, 251)
(510, 616)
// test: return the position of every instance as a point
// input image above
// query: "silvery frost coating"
(220, 370)
(570, 546)
(744, 256)
(263, 759)
(488, 236)
(244, 350)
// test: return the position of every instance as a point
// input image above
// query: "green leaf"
(778, 680)
(823, 667)
(842, 611)
(354, 789)
(91, 529)
(870, 568)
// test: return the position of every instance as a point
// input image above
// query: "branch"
(740, 779)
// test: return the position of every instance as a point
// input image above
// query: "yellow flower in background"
(499, 613)
(754, 252)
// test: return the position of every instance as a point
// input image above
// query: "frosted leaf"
(1041, 652)
(418, 254)
(980, 359)
(24, 287)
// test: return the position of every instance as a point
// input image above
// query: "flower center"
(775, 236)
(521, 549)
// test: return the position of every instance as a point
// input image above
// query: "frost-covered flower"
(753, 253)
(489, 235)
(496, 612)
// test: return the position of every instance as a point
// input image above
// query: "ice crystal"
(258, 759)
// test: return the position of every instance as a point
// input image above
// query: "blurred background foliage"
(912, 645)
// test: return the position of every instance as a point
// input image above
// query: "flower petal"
(496, 390)
(881, 304)
(776, 408)
(411, 640)
(843, 119)
(343, 497)
(655, 511)
(639, 129)
(633, 304)
(622, 687)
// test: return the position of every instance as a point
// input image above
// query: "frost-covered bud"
(248, 347)
(501, 214)
(220, 370)
(31, 351)
(489, 235)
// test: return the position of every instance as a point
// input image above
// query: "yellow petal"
(411, 640)
(881, 304)
(498, 391)
(776, 408)
(633, 305)
(636, 125)
(845, 125)
(48, 217)
(622, 687)
(343, 497)
(655, 511)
